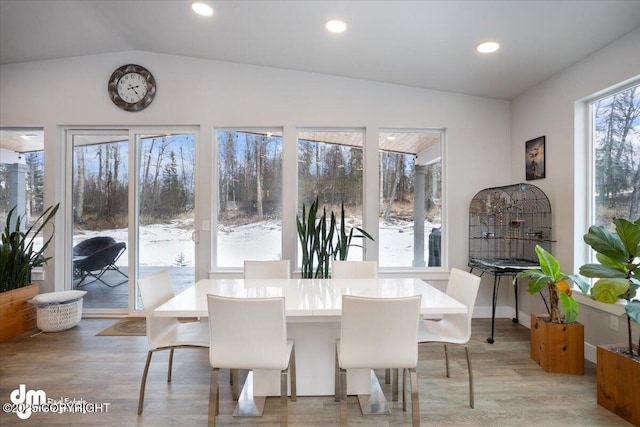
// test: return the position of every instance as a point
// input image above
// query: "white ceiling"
(428, 44)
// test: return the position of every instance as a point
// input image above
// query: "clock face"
(132, 87)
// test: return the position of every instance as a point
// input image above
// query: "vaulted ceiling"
(426, 44)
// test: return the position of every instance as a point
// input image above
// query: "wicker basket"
(59, 317)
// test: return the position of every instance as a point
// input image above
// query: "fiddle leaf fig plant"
(618, 255)
(558, 284)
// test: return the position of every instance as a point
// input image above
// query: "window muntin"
(249, 198)
(410, 198)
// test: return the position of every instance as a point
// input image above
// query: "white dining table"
(313, 308)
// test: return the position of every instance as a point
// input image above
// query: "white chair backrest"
(463, 287)
(379, 332)
(247, 333)
(267, 269)
(354, 269)
(155, 290)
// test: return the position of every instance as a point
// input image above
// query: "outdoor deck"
(101, 296)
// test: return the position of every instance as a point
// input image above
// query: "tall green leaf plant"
(17, 253)
(322, 239)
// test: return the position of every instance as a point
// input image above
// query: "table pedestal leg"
(374, 403)
(248, 404)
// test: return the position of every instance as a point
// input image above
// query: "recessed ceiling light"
(488, 47)
(202, 9)
(335, 26)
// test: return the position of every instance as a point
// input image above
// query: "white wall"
(202, 93)
(550, 109)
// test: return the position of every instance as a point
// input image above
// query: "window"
(22, 174)
(410, 198)
(615, 121)
(130, 197)
(249, 196)
(330, 169)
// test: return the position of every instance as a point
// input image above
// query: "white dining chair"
(165, 333)
(360, 270)
(378, 333)
(455, 328)
(354, 269)
(252, 343)
(278, 269)
(272, 269)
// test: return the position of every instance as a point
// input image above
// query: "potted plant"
(317, 240)
(618, 255)
(557, 340)
(18, 257)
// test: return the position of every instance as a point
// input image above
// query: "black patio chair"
(89, 246)
(86, 248)
(97, 263)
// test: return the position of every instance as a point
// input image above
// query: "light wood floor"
(511, 390)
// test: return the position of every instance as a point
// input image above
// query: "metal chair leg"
(292, 373)
(415, 404)
(214, 399)
(343, 397)
(170, 365)
(394, 386)
(404, 389)
(446, 359)
(387, 376)
(336, 381)
(143, 384)
(283, 398)
(471, 398)
(234, 384)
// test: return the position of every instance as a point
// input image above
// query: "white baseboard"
(590, 352)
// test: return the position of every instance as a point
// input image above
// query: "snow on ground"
(162, 244)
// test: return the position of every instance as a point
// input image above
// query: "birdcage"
(505, 225)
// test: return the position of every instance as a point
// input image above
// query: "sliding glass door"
(165, 207)
(132, 208)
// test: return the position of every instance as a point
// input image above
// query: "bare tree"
(79, 202)
(258, 151)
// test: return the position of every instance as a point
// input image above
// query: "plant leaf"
(602, 271)
(548, 264)
(629, 234)
(609, 290)
(570, 307)
(582, 284)
(537, 280)
(633, 310)
(607, 243)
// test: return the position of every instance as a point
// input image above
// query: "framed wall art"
(534, 158)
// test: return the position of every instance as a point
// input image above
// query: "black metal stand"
(497, 274)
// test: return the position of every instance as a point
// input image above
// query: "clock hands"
(133, 88)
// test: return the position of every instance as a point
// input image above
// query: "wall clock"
(132, 87)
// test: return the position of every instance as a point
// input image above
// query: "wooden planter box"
(618, 381)
(557, 348)
(16, 314)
